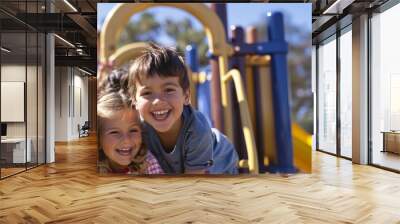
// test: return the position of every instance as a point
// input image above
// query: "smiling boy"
(178, 135)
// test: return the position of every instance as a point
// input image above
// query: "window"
(22, 75)
(327, 96)
(385, 89)
(346, 92)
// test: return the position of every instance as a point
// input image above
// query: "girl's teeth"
(124, 151)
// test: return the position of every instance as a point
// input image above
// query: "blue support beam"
(263, 48)
(191, 58)
(280, 95)
(203, 93)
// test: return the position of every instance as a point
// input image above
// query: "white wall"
(80, 84)
(71, 93)
(12, 73)
(61, 103)
(33, 126)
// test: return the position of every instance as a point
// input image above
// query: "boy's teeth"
(160, 112)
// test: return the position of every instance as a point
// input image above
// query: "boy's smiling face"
(160, 102)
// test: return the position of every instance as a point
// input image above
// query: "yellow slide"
(302, 143)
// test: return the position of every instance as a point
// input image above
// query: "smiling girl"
(120, 134)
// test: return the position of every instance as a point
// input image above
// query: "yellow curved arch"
(114, 25)
(127, 52)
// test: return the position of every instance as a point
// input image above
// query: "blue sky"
(239, 14)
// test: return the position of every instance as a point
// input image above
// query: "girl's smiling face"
(121, 137)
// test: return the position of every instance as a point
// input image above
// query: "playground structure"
(267, 108)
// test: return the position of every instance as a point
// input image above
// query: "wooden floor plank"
(70, 191)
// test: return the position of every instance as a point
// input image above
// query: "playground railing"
(247, 127)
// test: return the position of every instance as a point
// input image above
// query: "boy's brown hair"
(161, 61)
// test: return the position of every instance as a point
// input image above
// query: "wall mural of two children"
(149, 99)
(147, 125)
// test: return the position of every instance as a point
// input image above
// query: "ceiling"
(332, 15)
(75, 21)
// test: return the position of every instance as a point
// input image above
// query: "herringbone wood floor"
(70, 191)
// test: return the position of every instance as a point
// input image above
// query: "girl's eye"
(170, 90)
(147, 93)
(113, 132)
(135, 130)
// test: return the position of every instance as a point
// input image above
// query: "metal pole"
(251, 38)
(192, 62)
(216, 107)
(237, 62)
(280, 92)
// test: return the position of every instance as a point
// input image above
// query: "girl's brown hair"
(113, 96)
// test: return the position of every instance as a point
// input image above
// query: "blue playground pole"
(191, 58)
(280, 95)
(204, 99)
(202, 89)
